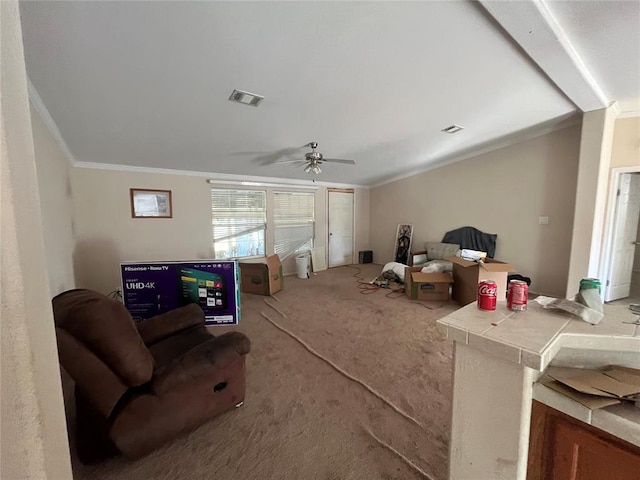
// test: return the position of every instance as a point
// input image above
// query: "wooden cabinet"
(563, 448)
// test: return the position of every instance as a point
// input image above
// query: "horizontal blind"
(235, 213)
(293, 216)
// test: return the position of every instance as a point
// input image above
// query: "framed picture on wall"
(151, 203)
(403, 244)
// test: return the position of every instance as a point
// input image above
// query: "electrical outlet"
(543, 220)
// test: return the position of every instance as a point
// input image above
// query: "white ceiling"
(146, 84)
(606, 35)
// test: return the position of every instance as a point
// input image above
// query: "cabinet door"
(581, 454)
(563, 448)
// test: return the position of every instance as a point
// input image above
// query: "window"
(293, 217)
(239, 222)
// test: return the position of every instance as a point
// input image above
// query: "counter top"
(533, 337)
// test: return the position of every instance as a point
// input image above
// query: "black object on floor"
(365, 256)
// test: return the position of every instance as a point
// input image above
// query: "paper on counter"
(585, 313)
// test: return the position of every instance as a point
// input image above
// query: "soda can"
(590, 283)
(487, 295)
(517, 295)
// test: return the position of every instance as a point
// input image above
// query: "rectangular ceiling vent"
(452, 128)
(246, 98)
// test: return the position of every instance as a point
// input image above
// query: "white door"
(340, 228)
(625, 230)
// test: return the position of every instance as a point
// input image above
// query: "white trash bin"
(302, 266)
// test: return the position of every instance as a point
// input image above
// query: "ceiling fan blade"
(339, 160)
(288, 161)
(269, 158)
(247, 153)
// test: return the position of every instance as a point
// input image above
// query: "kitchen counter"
(534, 337)
(499, 356)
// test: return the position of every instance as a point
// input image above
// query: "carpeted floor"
(302, 418)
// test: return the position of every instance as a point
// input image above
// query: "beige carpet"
(302, 419)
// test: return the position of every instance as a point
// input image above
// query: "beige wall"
(107, 235)
(33, 436)
(502, 192)
(54, 185)
(625, 150)
(362, 221)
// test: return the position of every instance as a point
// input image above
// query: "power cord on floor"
(428, 307)
(366, 288)
(395, 293)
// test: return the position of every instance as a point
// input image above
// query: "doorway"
(623, 273)
(340, 212)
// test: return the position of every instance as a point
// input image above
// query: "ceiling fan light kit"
(313, 168)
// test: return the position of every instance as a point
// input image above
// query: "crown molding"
(47, 119)
(629, 114)
(506, 141)
(222, 178)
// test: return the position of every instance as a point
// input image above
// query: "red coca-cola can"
(487, 295)
(518, 295)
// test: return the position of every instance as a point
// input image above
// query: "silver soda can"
(518, 295)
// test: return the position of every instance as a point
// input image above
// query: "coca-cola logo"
(487, 290)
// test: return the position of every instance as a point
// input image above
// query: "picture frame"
(402, 247)
(147, 203)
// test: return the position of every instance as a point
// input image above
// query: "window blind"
(294, 214)
(239, 222)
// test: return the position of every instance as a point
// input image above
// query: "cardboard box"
(467, 275)
(263, 278)
(594, 389)
(426, 286)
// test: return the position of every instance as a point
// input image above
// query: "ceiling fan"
(314, 159)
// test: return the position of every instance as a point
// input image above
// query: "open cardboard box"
(592, 388)
(467, 274)
(263, 278)
(426, 286)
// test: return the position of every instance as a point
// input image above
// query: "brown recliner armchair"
(140, 385)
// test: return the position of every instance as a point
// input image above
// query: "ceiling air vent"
(246, 98)
(452, 128)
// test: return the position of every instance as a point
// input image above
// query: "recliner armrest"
(161, 326)
(201, 361)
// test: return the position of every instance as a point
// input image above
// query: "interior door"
(340, 228)
(625, 230)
